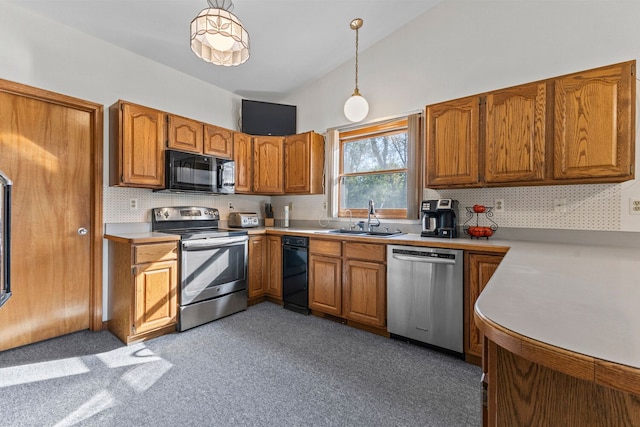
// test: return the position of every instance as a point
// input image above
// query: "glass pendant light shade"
(356, 108)
(218, 36)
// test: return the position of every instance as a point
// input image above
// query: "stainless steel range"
(213, 263)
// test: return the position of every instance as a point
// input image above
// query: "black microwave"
(189, 172)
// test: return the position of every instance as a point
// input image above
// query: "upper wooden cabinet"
(268, 153)
(243, 158)
(304, 163)
(184, 134)
(594, 124)
(452, 143)
(137, 136)
(573, 129)
(218, 141)
(515, 126)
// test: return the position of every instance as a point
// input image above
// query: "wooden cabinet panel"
(274, 256)
(218, 141)
(325, 284)
(515, 129)
(304, 163)
(137, 146)
(243, 157)
(184, 134)
(365, 251)
(325, 247)
(452, 143)
(155, 296)
(365, 292)
(594, 123)
(480, 269)
(268, 164)
(257, 265)
(143, 290)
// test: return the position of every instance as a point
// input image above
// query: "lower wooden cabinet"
(257, 265)
(348, 280)
(143, 284)
(274, 270)
(479, 268)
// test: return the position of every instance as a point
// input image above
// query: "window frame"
(399, 125)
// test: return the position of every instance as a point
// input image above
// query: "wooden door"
(297, 156)
(274, 255)
(243, 157)
(218, 141)
(268, 157)
(452, 143)
(481, 268)
(155, 302)
(364, 287)
(593, 123)
(51, 148)
(137, 140)
(257, 265)
(184, 134)
(515, 129)
(325, 284)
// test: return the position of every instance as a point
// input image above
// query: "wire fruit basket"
(479, 223)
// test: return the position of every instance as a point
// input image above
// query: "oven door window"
(212, 271)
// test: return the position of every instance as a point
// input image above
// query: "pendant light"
(356, 108)
(218, 36)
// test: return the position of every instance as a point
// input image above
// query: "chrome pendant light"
(356, 108)
(218, 36)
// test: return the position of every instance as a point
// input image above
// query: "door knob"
(82, 231)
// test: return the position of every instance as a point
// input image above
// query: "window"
(378, 162)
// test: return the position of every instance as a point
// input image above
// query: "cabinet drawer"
(325, 247)
(366, 251)
(155, 252)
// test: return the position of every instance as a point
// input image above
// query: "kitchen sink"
(365, 233)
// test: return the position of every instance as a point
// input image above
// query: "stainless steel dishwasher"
(425, 295)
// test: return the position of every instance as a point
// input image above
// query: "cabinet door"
(257, 263)
(155, 297)
(274, 255)
(325, 284)
(141, 154)
(481, 268)
(268, 164)
(243, 157)
(184, 134)
(304, 163)
(452, 143)
(594, 123)
(365, 292)
(515, 130)
(218, 141)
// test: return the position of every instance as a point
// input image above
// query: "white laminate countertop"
(585, 299)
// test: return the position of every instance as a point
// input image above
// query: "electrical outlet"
(560, 205)
(634, 206)
(498, 205)
(324, 205)
(133, 204)
(290, 206)
(230, 205)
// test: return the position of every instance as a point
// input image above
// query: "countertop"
(581, 298)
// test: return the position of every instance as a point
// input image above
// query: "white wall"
(465, 47)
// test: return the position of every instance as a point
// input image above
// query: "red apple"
(479, 208)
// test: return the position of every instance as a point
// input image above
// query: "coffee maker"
(439, 218)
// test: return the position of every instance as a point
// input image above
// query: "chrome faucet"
(372, 211)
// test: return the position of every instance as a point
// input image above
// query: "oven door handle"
(203, 244)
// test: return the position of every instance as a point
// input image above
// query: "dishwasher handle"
(429, 260)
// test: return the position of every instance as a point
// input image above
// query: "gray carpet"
(262, 367)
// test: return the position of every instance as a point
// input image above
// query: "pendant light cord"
(357, 60)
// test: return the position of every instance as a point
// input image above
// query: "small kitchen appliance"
(439, 218)
(197, 173)
(243, 219)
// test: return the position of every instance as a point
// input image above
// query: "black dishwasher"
(295, 289)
